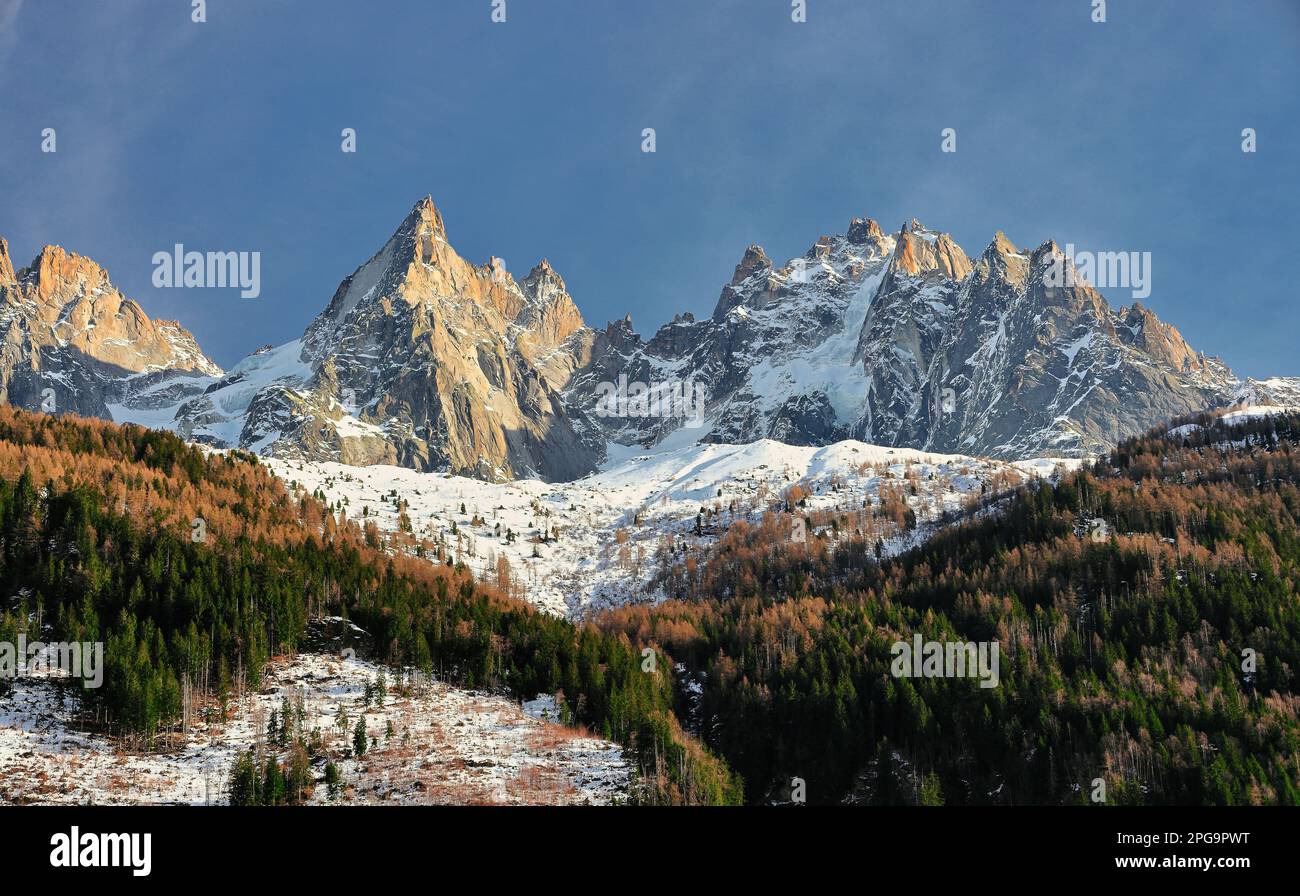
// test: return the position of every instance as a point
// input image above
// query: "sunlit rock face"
(73, 343)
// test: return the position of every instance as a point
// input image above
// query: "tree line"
(98, 543)
(1159, 659)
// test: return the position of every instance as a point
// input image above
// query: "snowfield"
(576, 547)
(1237, 415)
(446, 746)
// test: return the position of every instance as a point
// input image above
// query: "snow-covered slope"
(228, 413)
(599, 541)
(424, 360)
(1277, 391)
(447, 746)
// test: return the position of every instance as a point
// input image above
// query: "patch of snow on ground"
(1255, 412)
(595, 542)
(448, 746)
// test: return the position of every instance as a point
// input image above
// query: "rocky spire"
(755, 259)
(1002, 259)
(863, 230)
(6, 266)
(551, 313)
(60, 275)
(425, 218)
(543, 278)
(918, 251)
(1157, 338)
(1002, 245)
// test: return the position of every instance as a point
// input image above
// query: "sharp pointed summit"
(420, 359)
(425, 218)
(424, 359)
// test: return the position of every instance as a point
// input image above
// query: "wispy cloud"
(9, 10)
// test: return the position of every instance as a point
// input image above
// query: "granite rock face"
(425, 360)
(420, 359)
(71, 342)
(902, 339)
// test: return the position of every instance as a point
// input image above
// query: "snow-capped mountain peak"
(426, 360)
(73, 343)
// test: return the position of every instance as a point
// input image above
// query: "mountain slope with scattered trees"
(194, 568)
(1145, 608)
(1156, 651)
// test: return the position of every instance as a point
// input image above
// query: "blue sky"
(225, 135)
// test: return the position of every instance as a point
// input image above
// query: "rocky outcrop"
(423, 359)
(1027, 369)
(420, 359)
(71, 342)
(904, 340)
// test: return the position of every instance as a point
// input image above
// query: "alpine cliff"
(425, 360)
(73, 342)
(420, 359)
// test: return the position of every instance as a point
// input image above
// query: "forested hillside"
(1157, 651)
(1145, 609)
(193, 569)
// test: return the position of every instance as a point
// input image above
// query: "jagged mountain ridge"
(73, 343)
(904, 340)
(1031, 369)
(1277, 391)
(421, 359)
(425, 360)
